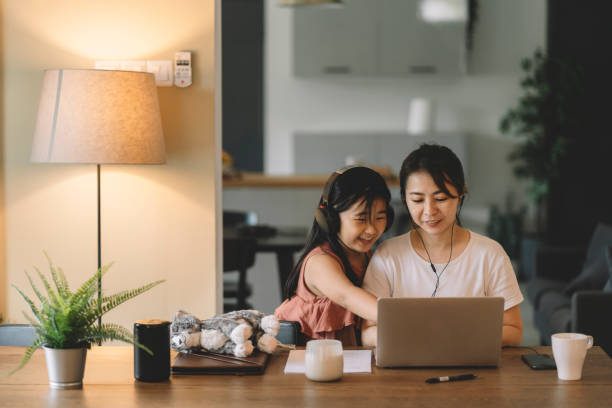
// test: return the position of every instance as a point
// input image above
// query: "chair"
(571, 289)
(234, 219)
(238, 256)
(17, 335)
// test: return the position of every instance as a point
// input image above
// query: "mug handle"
(589, 342)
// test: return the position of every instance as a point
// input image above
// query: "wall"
(158, 222)
(579, 35)
(2, 223)
(506, 31)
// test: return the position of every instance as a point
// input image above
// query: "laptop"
(435, 332)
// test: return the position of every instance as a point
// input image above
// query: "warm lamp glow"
(110, 29)
(100, 117)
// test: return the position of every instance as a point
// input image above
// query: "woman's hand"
(369, 333)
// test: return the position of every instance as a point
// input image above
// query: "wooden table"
(109, 383)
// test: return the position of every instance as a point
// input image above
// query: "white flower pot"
(65, 367)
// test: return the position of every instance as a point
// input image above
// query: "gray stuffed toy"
(236, 333)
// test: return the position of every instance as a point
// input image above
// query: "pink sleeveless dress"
(319, 316)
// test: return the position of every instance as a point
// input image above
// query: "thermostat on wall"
(182, 69)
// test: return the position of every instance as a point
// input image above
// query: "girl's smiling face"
(361, 227)
(430, 208)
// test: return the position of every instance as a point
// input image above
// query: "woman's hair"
(354, 184)
(442, 164)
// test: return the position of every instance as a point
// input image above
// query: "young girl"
(323, 291)
(438, 257)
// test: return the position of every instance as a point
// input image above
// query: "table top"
(290, 239)
(260, 180)
(109, 382)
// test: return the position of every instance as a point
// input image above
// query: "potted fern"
(65, 323)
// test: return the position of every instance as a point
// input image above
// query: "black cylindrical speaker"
(154, 334)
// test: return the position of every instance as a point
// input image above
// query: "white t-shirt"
(483, 269)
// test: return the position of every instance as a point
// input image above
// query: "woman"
(438, 257)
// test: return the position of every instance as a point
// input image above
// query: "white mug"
(323, 360)
(569, 350)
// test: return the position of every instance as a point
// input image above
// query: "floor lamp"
(98, 117)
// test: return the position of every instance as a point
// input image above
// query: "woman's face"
(360, 228)
(430, 208)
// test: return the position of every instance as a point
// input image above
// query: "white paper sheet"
(355, 361)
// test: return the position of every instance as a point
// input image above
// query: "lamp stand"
(99, 253)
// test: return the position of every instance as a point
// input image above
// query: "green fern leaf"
(115, 300)
(39, 295)
(89, 287)
(59, 284)
(31, 304)
(53, 296)
(28, 354)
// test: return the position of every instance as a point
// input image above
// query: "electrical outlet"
(162, 69)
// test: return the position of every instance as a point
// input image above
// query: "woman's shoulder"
(483, 243)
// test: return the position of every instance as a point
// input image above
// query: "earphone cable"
(450, 255)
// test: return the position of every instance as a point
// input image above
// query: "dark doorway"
(242, 82)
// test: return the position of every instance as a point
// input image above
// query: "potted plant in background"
(545, 118)
(505, 226)
(65, 323)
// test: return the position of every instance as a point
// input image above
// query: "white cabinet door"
(375, 37)
(409, 45)
(340, 40)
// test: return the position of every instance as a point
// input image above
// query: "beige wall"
(158, 222)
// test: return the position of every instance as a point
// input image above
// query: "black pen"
(450, 378)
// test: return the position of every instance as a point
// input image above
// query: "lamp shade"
(99, 117)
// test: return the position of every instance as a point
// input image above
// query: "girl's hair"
(355, 184)
(442, 164)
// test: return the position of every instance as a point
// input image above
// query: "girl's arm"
(324, 277)
(512, 331)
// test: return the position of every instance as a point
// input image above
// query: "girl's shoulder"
(326, 252)
(392, 245)
(323, 249)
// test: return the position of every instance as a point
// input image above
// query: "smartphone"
(539, 361)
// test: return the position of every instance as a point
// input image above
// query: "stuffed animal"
(237, 333)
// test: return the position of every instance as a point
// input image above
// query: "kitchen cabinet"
(376, 38)
(409, 45)
(338, 40)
